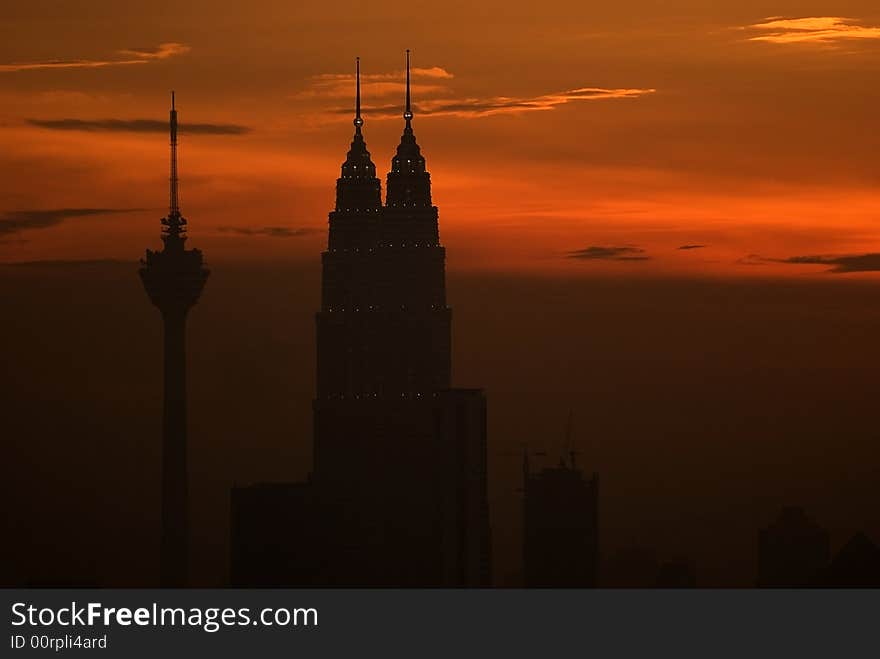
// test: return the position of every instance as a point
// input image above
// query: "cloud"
(817, 29)
(344, 89)
(271, 232)
(162, 51)
(753, 259)
(127, 57)
(137, 126)
(64, 263)
(416, 73)
(15, 221)
(485, 107)
(340, 85)
(431, 86)
(624, 253)
(838, 263)
(841, 262)
(686, 247)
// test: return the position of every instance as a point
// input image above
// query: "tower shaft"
(175, 517)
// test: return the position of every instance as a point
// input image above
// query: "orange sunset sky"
(631, 137)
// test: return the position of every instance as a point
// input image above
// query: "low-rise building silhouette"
(272, 534)
(855, 565)
(632, 566)
(791, 550)
(676, 573)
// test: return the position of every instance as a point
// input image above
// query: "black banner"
(417, 623)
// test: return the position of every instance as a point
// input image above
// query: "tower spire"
(358, 120)
(407, 113)
(174, 205)
(409, 184)
(357, 189)
(174, 226)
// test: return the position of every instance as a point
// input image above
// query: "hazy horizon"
(734, 420)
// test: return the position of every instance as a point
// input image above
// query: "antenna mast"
(407, 113)
(174, 204)
(358, 120)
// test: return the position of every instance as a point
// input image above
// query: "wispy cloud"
(15, 221)
(340, 85)
(687, 247)
(270, 232)
(348, 78)
(486, 107)
(600, 253)
(840, 262)
(162, 51)
(753, 259)
(66, 263)
(837, 263)
(126, 57)
(136, 126)
(818, 29)
(432, 87)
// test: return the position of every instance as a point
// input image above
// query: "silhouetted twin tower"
(400, 458)
(398, 493)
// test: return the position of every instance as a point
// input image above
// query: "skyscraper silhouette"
(560, 527)
(174, 279)
(383, 331)
(400, 458)
(383, 337)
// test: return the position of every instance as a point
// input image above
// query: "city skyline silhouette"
(724, 400)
